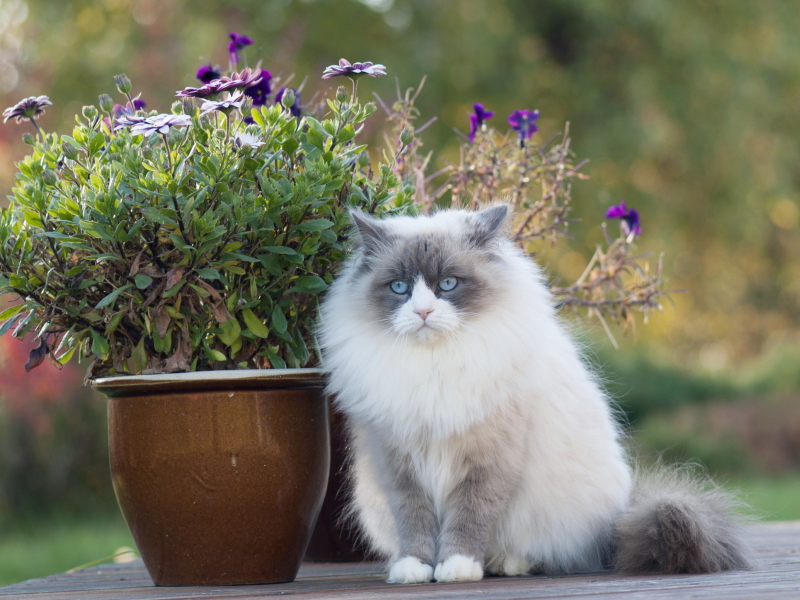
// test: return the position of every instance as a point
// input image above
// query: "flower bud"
(70, 151)
(370, 108)
(28, 138)
(49, 177)
(106, 103)
(90, 112)
(177, 107)
(406, 136)
(341, 93)
(288, 98)
(188, 105)
(147, 153)
(123, 83)
(246, 106)
(363, 160)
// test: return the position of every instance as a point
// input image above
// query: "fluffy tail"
(677, 523)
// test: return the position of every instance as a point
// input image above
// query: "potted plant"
(183, 254)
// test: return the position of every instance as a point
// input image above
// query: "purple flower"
(629, 218)
(260, 91)
(523, 122)
(238, 42)
(207, 73)
(477, 119)
(29, 108)
(138, 104)
(224, 106)
(210, 90)
(147, 126)
(296, 108)
(353, 70)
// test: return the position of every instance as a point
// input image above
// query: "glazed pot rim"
(238, 379)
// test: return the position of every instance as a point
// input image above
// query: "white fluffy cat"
(481, 442)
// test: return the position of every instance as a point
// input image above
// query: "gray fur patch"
(678, 524)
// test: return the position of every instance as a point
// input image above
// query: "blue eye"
(448, 283)
(399, 286)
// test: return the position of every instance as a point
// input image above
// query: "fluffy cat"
(481, 442)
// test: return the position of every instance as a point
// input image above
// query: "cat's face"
(428, 282)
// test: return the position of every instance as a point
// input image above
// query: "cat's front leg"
(472, 509)
(416, 521)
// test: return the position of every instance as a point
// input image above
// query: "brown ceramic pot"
(220, 475)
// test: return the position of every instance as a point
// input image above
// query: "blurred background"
(687, 111)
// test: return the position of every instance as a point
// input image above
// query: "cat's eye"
(448, 283)
(399, 286)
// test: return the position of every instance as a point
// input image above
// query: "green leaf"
(112, 296)
(142, 281)
(278, 320)
(276, 361)
(290, 146)
(315, 225)
(254, 324)
(231, 332)
(173, 290)
(99, 345)
(214, 355)
(11, 311)
(271, 263)
(280, 250)
(208, 273)
(312, 282)
(6, 327)
(155, 215)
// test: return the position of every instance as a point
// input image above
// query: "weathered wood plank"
(776, 576)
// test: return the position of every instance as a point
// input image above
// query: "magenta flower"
(260, 91)
(237, 43)
(477, 119)
(207, 73)
(524, 123)
(244, 79)
(295, 108)
(629, 218)
(353, 70)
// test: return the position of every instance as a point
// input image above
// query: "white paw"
(458, 568)
(410, 570)
(515, 565)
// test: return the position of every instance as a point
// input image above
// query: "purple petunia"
(478, 118)
(260, 91)
(237, 43)
(524, 123)
(353, 70)
(629, 218)
(207, 73)
(244, 79)
(296, 108)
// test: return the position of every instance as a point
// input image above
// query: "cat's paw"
(511, 566)
(458, 568)
(410, 569)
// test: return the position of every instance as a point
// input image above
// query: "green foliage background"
(687, 111)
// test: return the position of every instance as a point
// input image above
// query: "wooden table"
(777, 575)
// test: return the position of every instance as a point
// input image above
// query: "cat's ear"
(372, 232)
(488, 224)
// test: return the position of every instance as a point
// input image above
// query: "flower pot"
(220, 475)
(336, 537)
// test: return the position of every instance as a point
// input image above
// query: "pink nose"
(424, 312)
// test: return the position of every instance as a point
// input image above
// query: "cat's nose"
(424, 312)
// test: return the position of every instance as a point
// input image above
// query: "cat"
(481, 441)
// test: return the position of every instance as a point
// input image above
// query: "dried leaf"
(218, 308)
(175, 276)
(135, 265)
(162, 320)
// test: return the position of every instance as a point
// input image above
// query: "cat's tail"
(677, 522)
